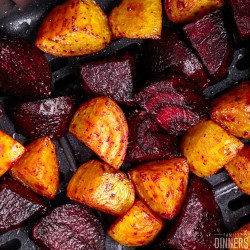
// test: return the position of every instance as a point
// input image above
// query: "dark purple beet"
(70, 227)
(147, 141)
(198, 223)
(111, 77)
(24, 70)
(171, 54)
(50, 117)
(210, 40)
(241, 10)
(18, 205)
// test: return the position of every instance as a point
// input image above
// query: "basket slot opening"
(12, 244)
(243, 63)
(243, 221)
(239, 202)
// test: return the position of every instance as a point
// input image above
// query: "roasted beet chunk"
(17, 205)
(199, 222)
(147, 141)
(24, 70)
(49, 117)
(171, 54)
(173, 104)
(241, 10)
(70, 227)
(210, 40)
(110, 77)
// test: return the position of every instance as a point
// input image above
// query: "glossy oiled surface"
(38, 168)
(101, 125)
(138, 227)
(208, 147)
(102, 187)
(162, 185)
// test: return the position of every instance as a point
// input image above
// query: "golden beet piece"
(239, 169)
(208, 147)
(10, 152)
(232, 110)
(162, 185)
(38, 168)
(100, 186)
(74, 28)
(102, 126)
(180, 11)
(240, 239)
(137, 19)
(138, 227)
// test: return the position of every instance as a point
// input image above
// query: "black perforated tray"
(235, 205)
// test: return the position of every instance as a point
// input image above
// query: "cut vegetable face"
(38, 168)
(162, 185)
(232, 110)
(101, 125)
(138, 227)
(136, 19)
(239, 169)
(74, 28)
(187, 10)
(10, 152)
(100, 186)
(208, 147)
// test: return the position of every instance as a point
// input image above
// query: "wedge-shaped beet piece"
(171, 54)
(47, 117)
(239, 169)
(24, 71)
(210, 40)
(208, 147)
(10, 152)
(147, 140)
(232, 110)
(38, 168)
(18, 205)
(101, 125)
(242, 17)
(100, 186)
(74, 28)
(111, 77)
(70, 226)
(240, 239)
(138, 227)
(199, 222)
(136, 19)
(162, 185)
(187, 10)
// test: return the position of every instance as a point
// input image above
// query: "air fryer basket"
(235, 205)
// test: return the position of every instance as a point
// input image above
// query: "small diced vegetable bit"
(38, 168)
(232, 110)
(100, 186)
(239, 169)
(138, 227)
(10, 152)
(162, 185)
(101, 125)
(240, 239)
(187, 10)
(208, 147)
(74, 28)
(137, 19)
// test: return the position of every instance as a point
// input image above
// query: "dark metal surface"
(234, 204)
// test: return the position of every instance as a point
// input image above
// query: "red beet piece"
(111, 77)
(199, 222)
(49, 117)
(210, 40)
(70, 227)
(241, 10)
(171, 54)
(24, 70)
(147, 141)
(18, 205)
